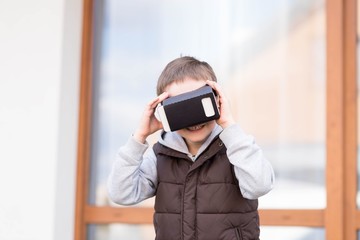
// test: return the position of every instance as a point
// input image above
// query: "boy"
(206, 178)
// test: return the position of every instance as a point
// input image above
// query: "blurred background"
(269, 56)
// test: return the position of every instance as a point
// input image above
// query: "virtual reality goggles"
(188, 109)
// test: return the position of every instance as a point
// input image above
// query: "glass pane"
(292, 233)
(120, 231)
(279, 95)
(268, 55)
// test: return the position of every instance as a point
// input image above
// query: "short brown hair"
(184, 67)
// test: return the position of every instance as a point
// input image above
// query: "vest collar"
(213, 148)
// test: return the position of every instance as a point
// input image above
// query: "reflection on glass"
(268, 55)
(120, 231)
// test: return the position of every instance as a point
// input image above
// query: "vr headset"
(188, 109)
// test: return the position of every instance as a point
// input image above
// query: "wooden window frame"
(340, 218)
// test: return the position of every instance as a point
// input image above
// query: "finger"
(163, 96)
(152, 104)
(217, 88)
(214, 86)
(210, 83)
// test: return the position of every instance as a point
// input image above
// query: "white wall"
(39, 85)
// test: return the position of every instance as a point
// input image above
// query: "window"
(286, 74)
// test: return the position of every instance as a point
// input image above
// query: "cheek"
(181, 132)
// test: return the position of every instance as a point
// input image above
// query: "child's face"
(194, 136)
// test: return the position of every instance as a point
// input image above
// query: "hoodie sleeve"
(133, 177)
(253, 171)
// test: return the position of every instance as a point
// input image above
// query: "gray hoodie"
(133, 177)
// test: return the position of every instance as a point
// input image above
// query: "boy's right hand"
(149, 124)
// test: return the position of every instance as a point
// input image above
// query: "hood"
(174, 141)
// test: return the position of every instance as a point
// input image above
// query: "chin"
(198, 133)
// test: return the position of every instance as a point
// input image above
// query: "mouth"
(196, 127)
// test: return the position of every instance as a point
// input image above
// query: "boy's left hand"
(226, 119)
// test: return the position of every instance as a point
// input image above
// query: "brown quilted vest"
(201, 200)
